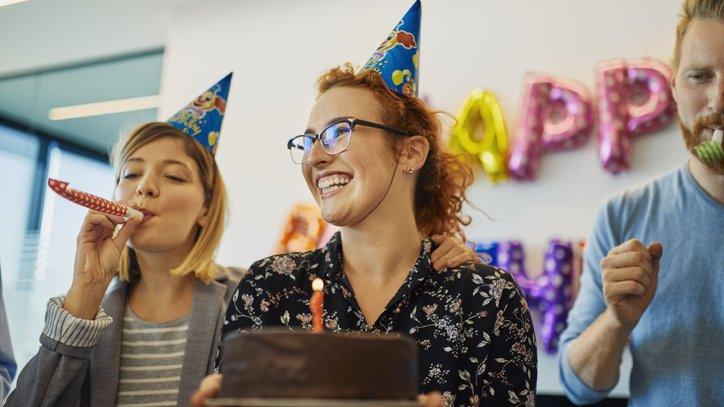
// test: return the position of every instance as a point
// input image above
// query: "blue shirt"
(678, 345)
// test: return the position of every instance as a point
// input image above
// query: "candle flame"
(317, 285)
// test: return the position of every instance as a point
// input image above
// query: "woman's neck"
(159, 296)
(381, 249)
(379, 253)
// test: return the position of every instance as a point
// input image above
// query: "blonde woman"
(151, 337)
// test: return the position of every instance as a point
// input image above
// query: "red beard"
(694, 137)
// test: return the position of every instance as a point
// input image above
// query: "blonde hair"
(200, 260)
(694, 9)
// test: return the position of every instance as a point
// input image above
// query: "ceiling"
(26, 99)
(81, 51)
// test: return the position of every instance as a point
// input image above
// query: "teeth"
(333, 181)
(331, 189)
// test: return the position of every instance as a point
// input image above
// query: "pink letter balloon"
(555, 114)
(634, 98)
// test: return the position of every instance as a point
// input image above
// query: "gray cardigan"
(63, 375)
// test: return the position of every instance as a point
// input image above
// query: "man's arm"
(590, 304)
(618, 284)
(630, 276)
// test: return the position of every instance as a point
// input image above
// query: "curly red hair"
(443, 179)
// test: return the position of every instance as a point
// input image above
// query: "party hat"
(201, 119)
(397, 58)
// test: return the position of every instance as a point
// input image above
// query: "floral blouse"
(473, 327)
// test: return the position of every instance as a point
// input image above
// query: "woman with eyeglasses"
(373, 159)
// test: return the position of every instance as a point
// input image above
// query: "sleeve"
(7, 360)
(55, 375)
(245, 308)
(589, 304)
(509, 371)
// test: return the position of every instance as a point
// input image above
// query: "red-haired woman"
(373, 160)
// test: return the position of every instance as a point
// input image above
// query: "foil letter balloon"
(482, 110)
(548, 293)
(555, 114)
(634, 98)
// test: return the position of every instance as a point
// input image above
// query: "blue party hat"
(201, 119)
(397, 58)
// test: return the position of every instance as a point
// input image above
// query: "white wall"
(277, 50)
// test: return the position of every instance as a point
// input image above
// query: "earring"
(409, 170)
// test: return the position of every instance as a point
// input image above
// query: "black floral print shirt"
(477, 345)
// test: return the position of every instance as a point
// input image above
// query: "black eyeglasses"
(334, 138)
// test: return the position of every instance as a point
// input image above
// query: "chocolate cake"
(281, 364)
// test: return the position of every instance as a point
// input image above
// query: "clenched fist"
(630, 275)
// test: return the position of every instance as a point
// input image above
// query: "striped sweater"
(151, 358)
(152, 354)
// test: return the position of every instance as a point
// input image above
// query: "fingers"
(451, 252)
(99, 219)
(447, 243)
(209, 388)
(637, 274)
(619, 290)
(629, 246)
(460, 259)
(116, 220)
(125, 233)
(439, 266)
(628, 259)
(97, 226)
(102, 219)
(634, 254)
(433, 399)
(457, 256)
(657, 250)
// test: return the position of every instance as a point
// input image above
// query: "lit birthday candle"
(316, 305)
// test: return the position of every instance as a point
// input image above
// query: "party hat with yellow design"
(397, 58)
(201, 119)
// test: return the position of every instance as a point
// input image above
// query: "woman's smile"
(332, 183)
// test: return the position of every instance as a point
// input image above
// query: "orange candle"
(316, 305)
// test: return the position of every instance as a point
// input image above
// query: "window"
(37, 245)
(18, 164)
(39, 228)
